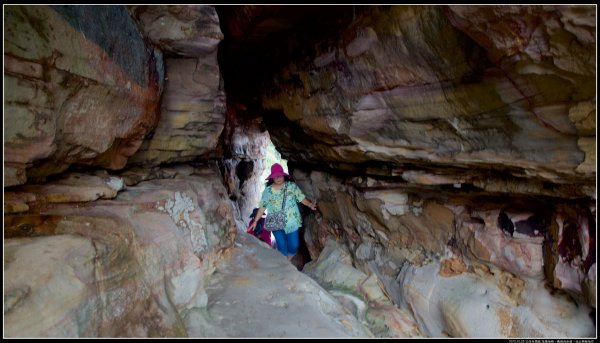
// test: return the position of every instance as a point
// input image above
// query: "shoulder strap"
(284, 190)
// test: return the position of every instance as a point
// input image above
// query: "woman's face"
(279, 180)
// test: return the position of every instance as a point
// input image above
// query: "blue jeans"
(287, 244)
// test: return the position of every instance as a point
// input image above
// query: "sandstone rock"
(70, 65)
(468, 305)
(190, 30)
(130, 267)
(360, 293)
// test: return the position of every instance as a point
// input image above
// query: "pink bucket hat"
(276, 170)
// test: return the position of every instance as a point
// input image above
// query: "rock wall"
(81, 87)
(128, 266)
(245, 141)
(461, 267)
(411, 92)
(193, 105)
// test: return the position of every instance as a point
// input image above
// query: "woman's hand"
(251, 227)
(309, 204)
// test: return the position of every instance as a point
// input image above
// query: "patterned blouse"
(272, 200)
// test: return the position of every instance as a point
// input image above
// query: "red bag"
(264, 235)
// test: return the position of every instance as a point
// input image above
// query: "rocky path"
(256, 292)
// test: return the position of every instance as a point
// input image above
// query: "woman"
(287, 238)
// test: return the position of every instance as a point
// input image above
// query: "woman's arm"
(298, 194)
(259, 214)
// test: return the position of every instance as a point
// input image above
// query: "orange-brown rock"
(452, 266)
